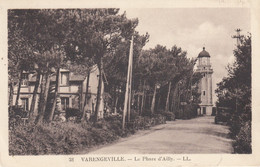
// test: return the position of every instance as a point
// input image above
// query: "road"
(195, 136)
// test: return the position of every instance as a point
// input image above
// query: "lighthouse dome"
(204, 53)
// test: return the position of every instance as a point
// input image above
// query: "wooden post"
(130, 95)
(127, 83)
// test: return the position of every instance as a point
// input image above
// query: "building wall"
(205, 86)
(72, 91)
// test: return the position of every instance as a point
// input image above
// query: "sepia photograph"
(82, 78)
(105, 83)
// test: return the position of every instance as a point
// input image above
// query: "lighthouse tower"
(205, 85)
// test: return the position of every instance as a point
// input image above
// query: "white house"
(70, 91)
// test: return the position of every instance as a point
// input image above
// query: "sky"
(195, 28)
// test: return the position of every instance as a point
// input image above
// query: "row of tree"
(44, 41)
(162, 78)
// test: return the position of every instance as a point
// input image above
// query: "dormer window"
(64, 79)
(25, 78)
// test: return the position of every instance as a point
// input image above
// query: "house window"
(204, 93)
(25, 78)
(64, 103)
(25, 103)
(64, 79)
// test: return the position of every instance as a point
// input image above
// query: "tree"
(106, 28)
(234, 92)
(41, 32)
(116, 63)
(237, 85)
(19, 54)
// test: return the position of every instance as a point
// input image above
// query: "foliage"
(243, 139)
(73, 112)
(169, 116)
(71, 138)
(234, 93)
(15, 115)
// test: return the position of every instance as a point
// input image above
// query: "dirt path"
(196, 136)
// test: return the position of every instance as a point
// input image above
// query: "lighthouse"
(205, 84)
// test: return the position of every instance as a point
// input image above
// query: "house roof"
(73, 77)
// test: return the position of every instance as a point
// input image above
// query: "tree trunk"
(138, 98)
(57, 85)
(158, 103)
(11, 93)
(86, 98)
(143, 99)
(178, 102)
(138, 103)
(153, 100)
(19, 88)
(168, 98)
(115, 109)
(43, 103)
(40, 104)
(38, 80)
(174, 99)
(81, 102)
(99, 90)
(114, 97)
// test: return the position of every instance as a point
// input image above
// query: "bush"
(70, 138)
(56, 138)
(73, 112)
(16, 113)
(169, 115)
(242, 143)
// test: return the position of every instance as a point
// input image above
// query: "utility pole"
(128, 82)
(130, 91)
(238, 36)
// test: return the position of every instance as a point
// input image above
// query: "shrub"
(73, 112)
(16, 113)
(235, 124)
(69, 137)
(134, 115)
(169, 115)
(146, 113)
(242, 143)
